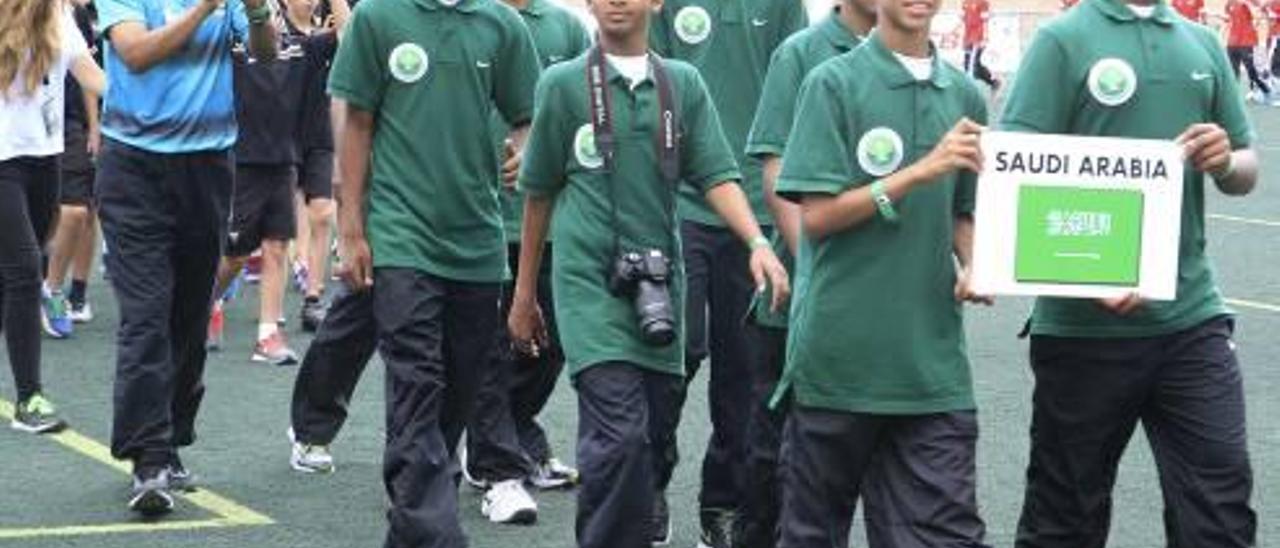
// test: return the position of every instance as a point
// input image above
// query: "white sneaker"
(478, 484)
(553, 474)
(508, 502)
(80, 314)
(310, 459)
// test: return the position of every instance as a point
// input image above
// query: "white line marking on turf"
(1242, 303)
(230, 513)
(1245, 220)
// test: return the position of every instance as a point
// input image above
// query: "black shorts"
(262, 208)
(315, 174)
(77, 170)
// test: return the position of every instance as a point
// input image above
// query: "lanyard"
(666, 140)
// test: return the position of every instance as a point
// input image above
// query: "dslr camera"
(645, 278)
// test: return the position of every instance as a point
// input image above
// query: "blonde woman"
(39, 44)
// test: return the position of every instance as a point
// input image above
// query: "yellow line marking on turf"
(230, 513)
(1254, 305)
(1245, 220)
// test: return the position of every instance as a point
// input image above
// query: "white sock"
(266, 330)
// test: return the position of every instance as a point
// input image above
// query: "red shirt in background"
(1240, 30)
(975, 22)
(1273, 13)
(1191, 9)
(1068, 4)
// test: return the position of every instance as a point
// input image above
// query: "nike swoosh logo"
(759, 22)
(1198, 76)
(482, 64)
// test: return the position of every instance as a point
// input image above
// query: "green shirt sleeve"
(776, 111)
(581, 39)
(1228, 103)
(545, 152)
(1042, 98)
(818, 158)
(358, 75)
(794, 19)
(516, 74)
(707, 158)
(967, 181)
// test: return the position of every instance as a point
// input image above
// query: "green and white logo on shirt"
(584, 148)
(408, 62)
(693, 25)
(880, 151)
(1112, 82)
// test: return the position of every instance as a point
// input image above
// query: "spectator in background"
(1242, 39)
(74, 242)
(315, 141)
(976, 15)
(1272, 11)
(164, 179)
(41, 44)
(1193, 10)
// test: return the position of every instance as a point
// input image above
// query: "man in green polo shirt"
(614, 134)
(730, 43)
(505, 444)
(1103, 367)
(420, 79)
(882, 399)
(842, 30)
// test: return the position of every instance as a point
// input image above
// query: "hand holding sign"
(960, 148)
(1207, 147)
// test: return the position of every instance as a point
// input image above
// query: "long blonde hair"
(29, 42)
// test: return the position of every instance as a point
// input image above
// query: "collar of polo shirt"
(896, 75)
(840, 35)
(1119, 11)
(460, 5)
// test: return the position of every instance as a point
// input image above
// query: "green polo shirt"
(730, 42)
(561, 159)
(792, 61)
(876, 327)
(1178, 76)
(558, 36)
(432, 75)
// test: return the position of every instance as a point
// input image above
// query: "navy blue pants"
(1186, 390)
(164, 222)
(431, 334)
(718, 298)
(618, 417)
(332, 367)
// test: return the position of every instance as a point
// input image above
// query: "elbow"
(136, 59)
(813, 225)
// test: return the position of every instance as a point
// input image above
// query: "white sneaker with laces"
(310, 459)
(508, 502)
(553, 474)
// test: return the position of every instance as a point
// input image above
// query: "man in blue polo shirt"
(164, 180)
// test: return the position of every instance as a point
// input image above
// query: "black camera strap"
(666, 140)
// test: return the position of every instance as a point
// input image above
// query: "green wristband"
(258, 15)
(759, 242)
(883, 202)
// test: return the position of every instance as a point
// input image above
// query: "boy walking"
(883, 409)
(420, 79)
(615, 132)
(846, 27)
(1103, 367)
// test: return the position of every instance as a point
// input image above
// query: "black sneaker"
(313, 313)
(181, 479)
(717, 528)
(660, 522)
(150, 496)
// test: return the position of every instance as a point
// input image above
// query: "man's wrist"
(258, 15)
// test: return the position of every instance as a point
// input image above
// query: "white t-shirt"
(1143, 12)
(919, 67)
(634, 68)
(32, 125)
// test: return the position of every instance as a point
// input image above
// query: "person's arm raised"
(141, 49)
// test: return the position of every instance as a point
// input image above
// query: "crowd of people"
(705, 184)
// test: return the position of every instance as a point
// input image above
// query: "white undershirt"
(919, 67)
(1143, 12)
(635, 68)
(23, 130)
